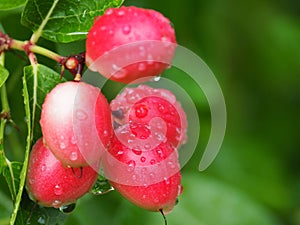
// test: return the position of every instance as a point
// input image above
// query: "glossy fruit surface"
(151, 112)
(76, 123)
(148, 177)
(51, 184)
(128, 43)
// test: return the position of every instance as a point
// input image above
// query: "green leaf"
(39, 82)
(33, 214)
(3, 75)
(64, 20)
(9, 4)
(11, 173)
(5, 208)
(204, 201)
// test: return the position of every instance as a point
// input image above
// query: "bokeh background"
(253, 48)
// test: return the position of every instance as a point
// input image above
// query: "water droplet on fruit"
(133, 177)
(151, 175)
(103, 28)
(161, 108)
(166, 41)
(142, 67)
(94, 33)
(109, 12)
(142, 51)
(81, 115)
(157, 78)
(150, 59)
(73, 156)
(137, 151)
(111, 32)
(58, 190)
(105, 133)
(56, 203)
(144, 196)
(141, 111)
(167, 181)
(171, 165)
(156, 200)
(43, 167)
(143, 159)
(73, 140)
(121, 13)
(160, 153)
(62, 145)
(152, 161)
(67, 208)
(131, 166)
(126, 29)
(120, 153)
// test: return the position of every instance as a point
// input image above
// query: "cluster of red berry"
(134, 139)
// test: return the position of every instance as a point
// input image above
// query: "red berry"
(151, 112)
(129, 43)
(52, 185)
(149, 178)
(76, 123)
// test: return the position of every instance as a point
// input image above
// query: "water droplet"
(73, 156)
(94, 33)
(62, 145)
(121, 13)
(152, 161)
(73, 140)
(56, 203)
(58, 190)
(43, 167)
(81, 115)
(101, 187)
(131, 166)
(166, 41)
(137, 151)
(141, 111)
(109, 11)
(133, 177)
(150, 59)
(171, 165)
(120, 152)
(143, 159)
(62, 137)
(105, 132)
(151, 175)
(156, 200)
(103, 28)
(126, 29)
(41, 220)
(160, 153)
(167, 181)
(144, 196)
(157, 78)
(67, 208)
(161, 108)
(111, 32)
(142, 67)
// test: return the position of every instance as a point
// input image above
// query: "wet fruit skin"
(142, 160)
(149, 179)
(128, 43)
(76, 123)
(151, 106)
(51, 184)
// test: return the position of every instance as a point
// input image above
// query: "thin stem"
(164, 216)
(29, 47)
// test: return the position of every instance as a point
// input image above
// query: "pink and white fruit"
(128, 43)
(76, 123)
(51, 184)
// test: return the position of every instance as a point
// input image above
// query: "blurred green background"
(253, 48)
